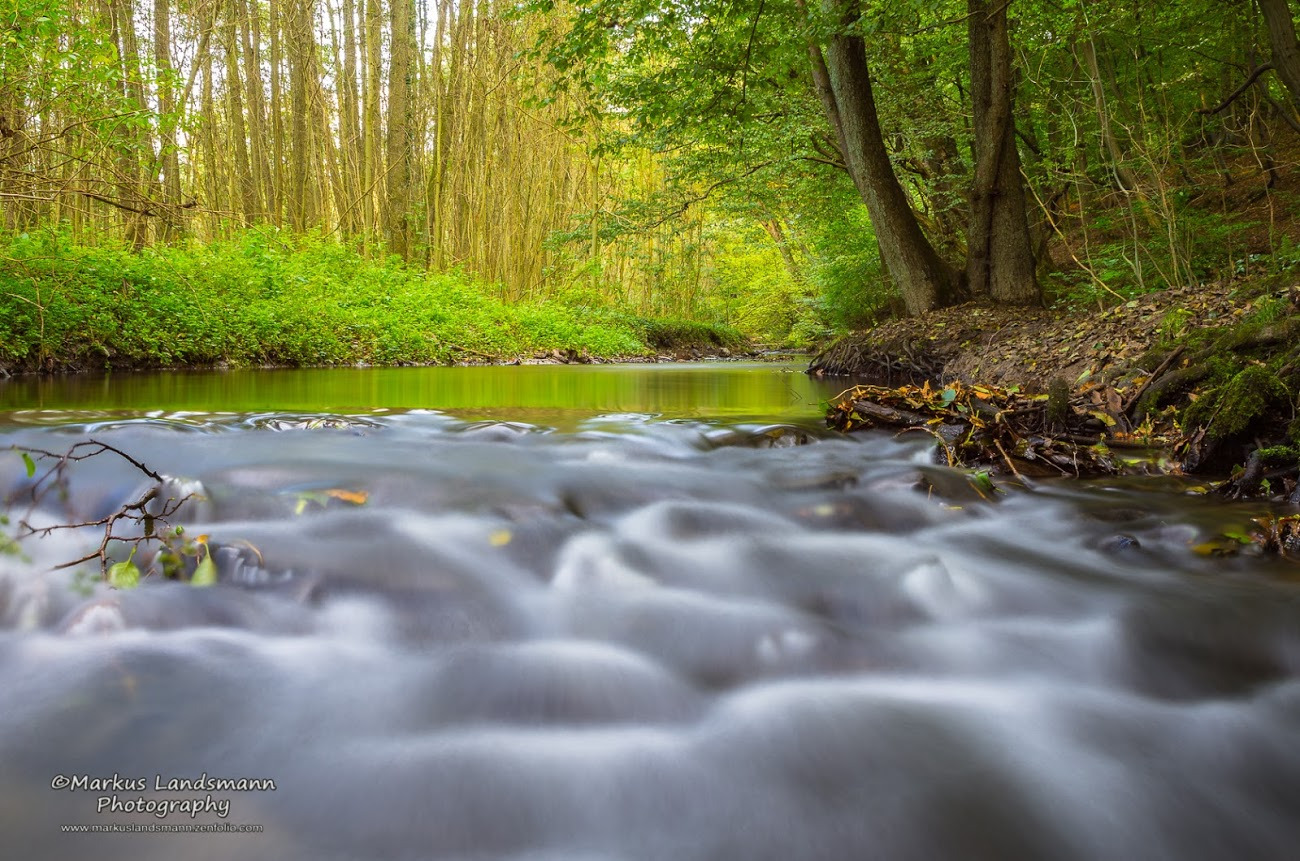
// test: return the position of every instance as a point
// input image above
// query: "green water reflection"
(761, 391)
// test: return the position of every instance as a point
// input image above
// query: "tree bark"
(130, 167)
(300, 45)
(168, 159)
(250, 38)
(350, 122)
(275, 194)
(924, 279)
(238, 131)
(1000, 258)
(1123, 173)
(1281, 37)
(396, 221)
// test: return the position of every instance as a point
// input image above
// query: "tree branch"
(1237, 93)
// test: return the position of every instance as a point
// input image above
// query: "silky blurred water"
(635, 631)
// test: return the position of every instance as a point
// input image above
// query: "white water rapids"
(640, 640)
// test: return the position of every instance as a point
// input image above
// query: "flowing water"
(623, 613)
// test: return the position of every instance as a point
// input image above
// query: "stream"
(621, 612)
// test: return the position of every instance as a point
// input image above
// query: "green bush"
(269, 298)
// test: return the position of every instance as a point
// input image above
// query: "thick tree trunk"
(1281, 36)
(1000, 259)
(924, 279)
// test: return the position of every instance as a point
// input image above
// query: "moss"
(1279, 455)
(1230, 408)
(1058, 401)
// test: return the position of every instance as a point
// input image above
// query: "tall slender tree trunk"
(250, 36)
(130, 167)
(238, 131)
(1000, 258)
(168, 157)
(400, 127)
(924, 278)
(373, 126)
(353, 153)
(276, 191)
(213, 199)
(1123, 173)
(300, 45)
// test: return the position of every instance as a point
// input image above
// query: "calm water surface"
(643, 612)
(555, 394)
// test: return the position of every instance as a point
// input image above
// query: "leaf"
(206, 572)
(356, 497)
(949, 395)
(30, 464)
(124, 575)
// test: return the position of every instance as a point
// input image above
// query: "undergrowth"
(266, 299)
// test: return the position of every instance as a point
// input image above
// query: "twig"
(1132, 399)
(135, 512)
(997, 442)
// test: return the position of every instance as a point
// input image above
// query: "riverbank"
(262, 301)
(1208, 374)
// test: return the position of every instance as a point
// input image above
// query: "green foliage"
(1174, 324)
(125, 574)
(852, 288)
(671, 335)
(1279, 455)
(205, 573)
(266, 298)
(1267, 309)
(8, 544)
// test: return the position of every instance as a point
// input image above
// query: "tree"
(843, 83)
(1281, 36)
(999, 258)
(638, 54)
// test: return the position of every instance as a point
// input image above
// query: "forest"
(327, 176)
(437, 420)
